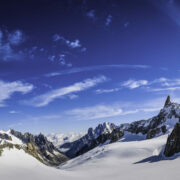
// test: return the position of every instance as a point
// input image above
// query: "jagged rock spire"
(168, 101)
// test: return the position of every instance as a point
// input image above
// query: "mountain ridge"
(158, 125)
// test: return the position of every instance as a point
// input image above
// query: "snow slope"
(120, 160)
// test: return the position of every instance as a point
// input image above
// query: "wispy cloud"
(72, 44)
(94, 68)
(171, 8)
(118, 109)
(101, 91)
(108, 20)
(16, 38)
(165, 84)
(52, 58)
(106, 111)
(73, 96)
(13, 112)
(45, 99)
(164, 89)
(8, 88)
(61, 59)
(94, 112)
(156, 85)
(132, 84)
(171, 82)
(9, 41)
(57, 37)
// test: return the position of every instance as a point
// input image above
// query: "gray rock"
(168, 102)
(39, 146)
(5, 136)
(173, 142)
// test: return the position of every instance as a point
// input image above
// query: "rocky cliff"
(173, 142)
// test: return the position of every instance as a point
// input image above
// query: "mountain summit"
(168, 102)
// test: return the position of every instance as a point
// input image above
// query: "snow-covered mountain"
(161, 124)
(35, 145)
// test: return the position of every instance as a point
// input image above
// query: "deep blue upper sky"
(67, 65)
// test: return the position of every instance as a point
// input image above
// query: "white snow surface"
(113, 161)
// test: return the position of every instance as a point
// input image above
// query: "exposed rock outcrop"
(39, 147)
(168, 101)
(5, 136)
(173, 142)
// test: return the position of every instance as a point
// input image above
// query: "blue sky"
(69, 65)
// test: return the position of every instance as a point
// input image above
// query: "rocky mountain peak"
(90, 131)
(167, 102)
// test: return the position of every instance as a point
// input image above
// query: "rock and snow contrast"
(142, 149)
(37, 146)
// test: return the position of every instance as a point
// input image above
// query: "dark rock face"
(39, 147)
(150, 127)
(173, 142)
(152, 133)
(5, 136)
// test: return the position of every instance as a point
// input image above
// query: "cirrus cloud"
(132, 84)
(72, 44)
(45, 99)
(9, 88)
(94, 112)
